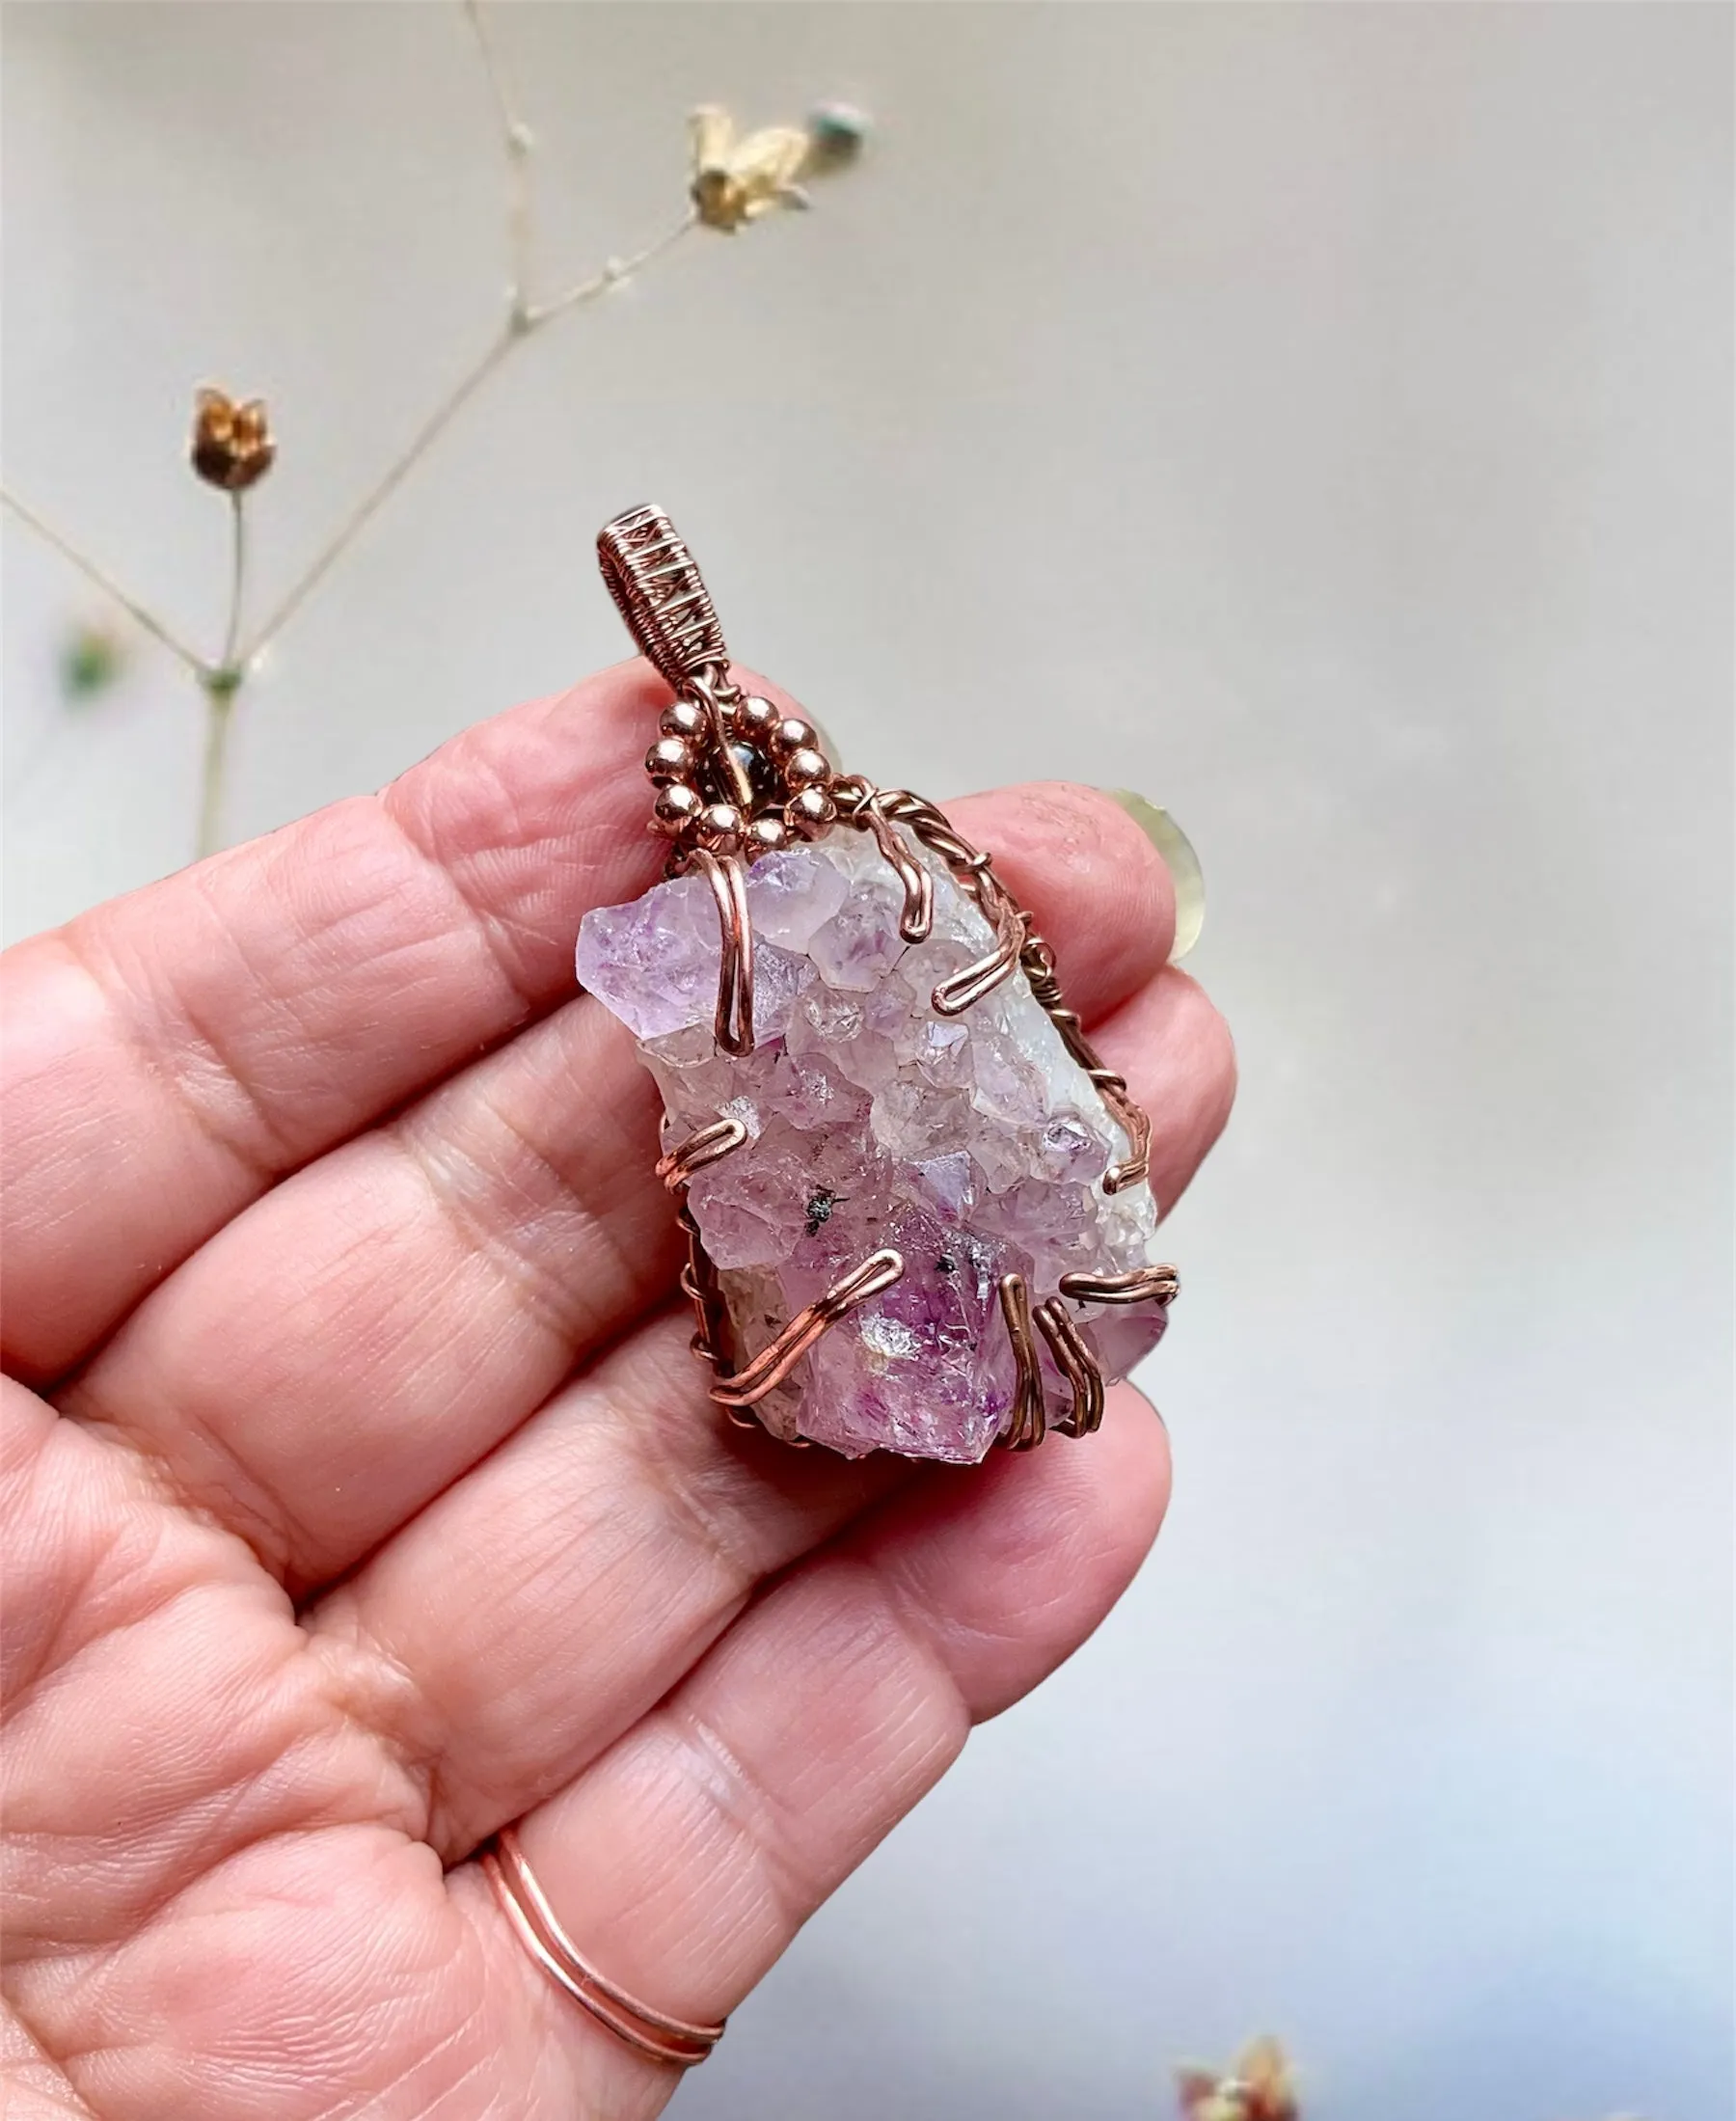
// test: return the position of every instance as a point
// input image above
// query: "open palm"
(360, 1493)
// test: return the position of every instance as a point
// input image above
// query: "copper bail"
(660, 593)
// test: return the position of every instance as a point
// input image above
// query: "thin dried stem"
(520, 325)
(384, 486)
(222, 686)
(231, 626)
(519, 142)
(223, 680)
(213, 777)
(614, 273)
(110, 587)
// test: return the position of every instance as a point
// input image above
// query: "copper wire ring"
(650, 2031)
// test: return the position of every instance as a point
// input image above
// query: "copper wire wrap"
(775, 1362)
(878, 809)
(705, 1147)
(1145, 1285)
(1027, 1421)
(742, 1389)
(733, 1022)
(1077, 1365)
(698, 1277)
(652, 2032)
(1038, 961)
(918, 916)
(717, 697)
(739, 778)
(660, 592)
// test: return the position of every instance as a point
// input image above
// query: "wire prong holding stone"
(1137, 1165)
(1146, 1285)
(918, 916)
(728, 880)
(1077, 1365)
(775, 1362)
(966, 989)
(698, 1150)
(1027, 1422)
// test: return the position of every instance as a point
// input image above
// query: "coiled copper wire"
(651, 2031)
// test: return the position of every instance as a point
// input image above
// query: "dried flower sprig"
(1259, 2085)
(737, 180)
(731, 184)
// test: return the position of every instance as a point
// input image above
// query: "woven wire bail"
(660, 592)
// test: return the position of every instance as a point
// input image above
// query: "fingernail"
(1178, 858)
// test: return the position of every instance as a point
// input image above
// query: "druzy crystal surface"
(974, 1145)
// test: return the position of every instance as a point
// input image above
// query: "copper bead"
(791, 734)
(804, 766)
(755, 718)
(677, 807)
(720, 828)
(809, 812)
(670, 759)
(683, 717)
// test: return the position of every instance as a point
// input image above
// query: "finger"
(160, 1710)
(1048, 830)
(541, 1606)
(684, 1862)
(556, 1594)
(1179, 1057)
(173, 1052)
(350, 1343)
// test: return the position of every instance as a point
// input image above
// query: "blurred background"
(1316, 417)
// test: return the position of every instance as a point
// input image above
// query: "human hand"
(359, 1494)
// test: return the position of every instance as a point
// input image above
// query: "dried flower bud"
(232, 443)
(734, 181)
(1258, 2086)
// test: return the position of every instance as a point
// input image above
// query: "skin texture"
(359, 1493)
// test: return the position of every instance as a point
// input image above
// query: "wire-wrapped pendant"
(916, 1202)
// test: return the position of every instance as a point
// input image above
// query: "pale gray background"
(1320, 419)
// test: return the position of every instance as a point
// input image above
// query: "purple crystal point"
(974, 1146)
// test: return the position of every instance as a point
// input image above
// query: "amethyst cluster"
(974, 1145)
